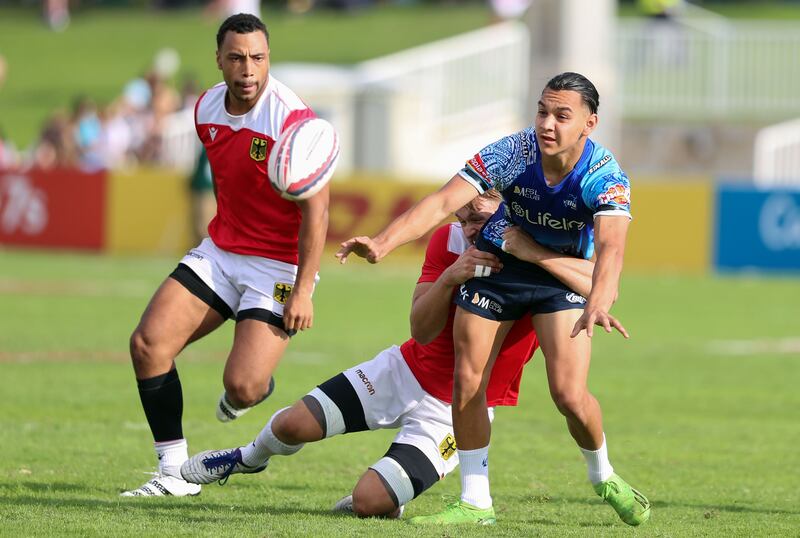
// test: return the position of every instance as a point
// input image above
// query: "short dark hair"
(241, 23)
(577, 83)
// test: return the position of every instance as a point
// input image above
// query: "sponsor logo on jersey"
(367, 383)
(258, 149)
(281, 292)
(599, 164)
(617, 194)
(212, 132)
(527, 192)
(476, 163)
(547, 220)
(447, 447)
(463, 291)
(571, 201)
(574, 298)
(195, 255)
(486, 303)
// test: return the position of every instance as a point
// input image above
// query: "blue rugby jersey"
(559, 217)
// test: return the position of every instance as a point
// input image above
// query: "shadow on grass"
(733, 508)
(185, 508)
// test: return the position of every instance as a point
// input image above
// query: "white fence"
(699, 69)
(777, 155)
(424, 111)
(420, 112)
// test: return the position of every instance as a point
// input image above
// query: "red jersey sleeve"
(437, 256)
(297, 115)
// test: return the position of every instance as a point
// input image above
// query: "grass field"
(711, 437)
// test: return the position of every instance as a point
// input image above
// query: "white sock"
(598, 466)
(475, 477)
(267, 445)
(171, 455)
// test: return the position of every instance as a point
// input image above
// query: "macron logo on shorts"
(574, 298)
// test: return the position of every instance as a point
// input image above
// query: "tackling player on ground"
(409, 387)
(570, 195)
(259, 265)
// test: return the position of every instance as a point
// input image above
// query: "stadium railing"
(776, 157)
(700, 68)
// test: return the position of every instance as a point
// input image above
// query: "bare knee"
(296, 425)
(467, 383)
(147, 356)
(570, 401)
(371, 499)
(244, 392)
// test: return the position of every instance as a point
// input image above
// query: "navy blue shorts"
(520, 287)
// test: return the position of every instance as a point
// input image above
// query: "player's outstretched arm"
(431, 303)
(610, 233)
(299, 312)
(412, 224)
(576, 273)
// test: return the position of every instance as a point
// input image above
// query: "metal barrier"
(776, 157)
(698, 69)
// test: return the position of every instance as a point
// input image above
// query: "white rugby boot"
(216, 465)
(163, 485)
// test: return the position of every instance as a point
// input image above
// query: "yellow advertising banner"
(148, 213)
(671, 227)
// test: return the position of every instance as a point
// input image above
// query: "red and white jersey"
(252, 219)
(432, 364)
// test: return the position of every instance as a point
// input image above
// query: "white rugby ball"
(303, 159)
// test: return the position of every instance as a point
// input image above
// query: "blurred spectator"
(87, 131)
(56, 146)
(3, 71)
(9, 156)
(56, 14)
(222, 9)
(508, 9)
(659, 9)
(190, 92)
(203, 201)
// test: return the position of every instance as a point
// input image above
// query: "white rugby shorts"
(243, 282)
(391, 397)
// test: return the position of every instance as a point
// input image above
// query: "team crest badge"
(447, 447)
(258, 149)
(281, 292)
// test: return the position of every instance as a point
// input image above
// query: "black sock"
(162, 400)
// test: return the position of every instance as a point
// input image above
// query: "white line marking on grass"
(773, 346)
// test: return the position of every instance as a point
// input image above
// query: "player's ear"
(219, 61)
(591, 123)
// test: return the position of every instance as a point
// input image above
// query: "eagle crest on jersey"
(447, 447)
(281, 292)
(258, 149)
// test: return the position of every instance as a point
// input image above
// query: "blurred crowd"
(125, 132)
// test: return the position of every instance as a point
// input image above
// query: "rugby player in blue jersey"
(570, 195)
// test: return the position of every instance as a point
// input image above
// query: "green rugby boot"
(457, 513)
(633, 507)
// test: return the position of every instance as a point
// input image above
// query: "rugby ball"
(303, 159)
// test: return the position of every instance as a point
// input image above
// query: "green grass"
(105, 48)
(712, 439)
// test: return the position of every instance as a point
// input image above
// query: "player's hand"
(521, 245)
(472, 263)
(298, 314)
(361, 246)
(597, 316)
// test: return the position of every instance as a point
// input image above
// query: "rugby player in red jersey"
(409, 387)
(259, 265)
